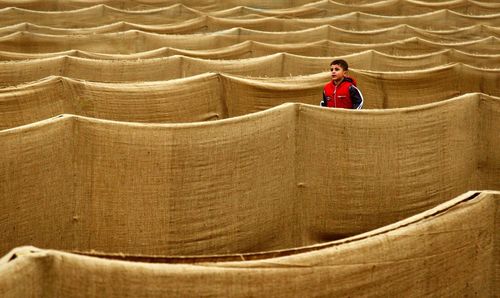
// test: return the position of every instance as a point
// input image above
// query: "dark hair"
(340, 62)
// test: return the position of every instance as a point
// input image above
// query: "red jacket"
(344, 95)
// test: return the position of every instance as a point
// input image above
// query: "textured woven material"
(116, 180)
(431, 22)
(138, 41)
(451, 250)
(193, 189)
(216, 96)
(174, 67)
(247, 49)
(166, 10)
(397, 28)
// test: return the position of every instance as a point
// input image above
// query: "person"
(341, 91)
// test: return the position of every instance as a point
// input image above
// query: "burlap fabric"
(165, 11)
(174, 67)
(212, 96)
(188, 188)
(138, 41)
(407, 47)
(112, 185)
(341, 27)
(450, 250)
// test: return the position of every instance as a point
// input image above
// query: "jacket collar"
(345, 79)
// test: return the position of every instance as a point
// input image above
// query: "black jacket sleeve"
(323, 103)
(356, 97)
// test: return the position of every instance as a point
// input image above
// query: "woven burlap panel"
(280, 197)
(289, 176)
(128, 42)
(174, 67)
(451, 250)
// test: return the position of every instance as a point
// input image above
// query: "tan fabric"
(406, 47)
(197, 98)
(137, 41)
(213, 96)
(190, 168)
(174, 67)
(146, 189)
(279, 197)
(97, 15)
(467, 25)
(451, 250)
(387, 7)
(238, 8)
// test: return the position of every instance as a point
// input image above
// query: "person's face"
(337, 72)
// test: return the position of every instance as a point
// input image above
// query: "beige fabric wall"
(36, 174)
(96, 15)
(216, 96)
(339, 28)
(174, 67)
(404, 89)
(186, 190)
(247, 49)
(293, 6)
(436, 20)
(454, 243)
(171, 11)
(164, 101)
(354, 167)
(489, 149)
(354, 21)
(137, 41)
(253, 183)
(280, 197)
(22, 106)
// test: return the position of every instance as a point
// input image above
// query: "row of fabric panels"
(176, 192)
(192, 189)
(295, 9)
(455, 243)
(165, 20)
(141, 192)
(137, 41)
(213, 96)
(322, 48)
(434, 21)
(270, 66)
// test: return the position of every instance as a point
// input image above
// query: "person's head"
(338, 69)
